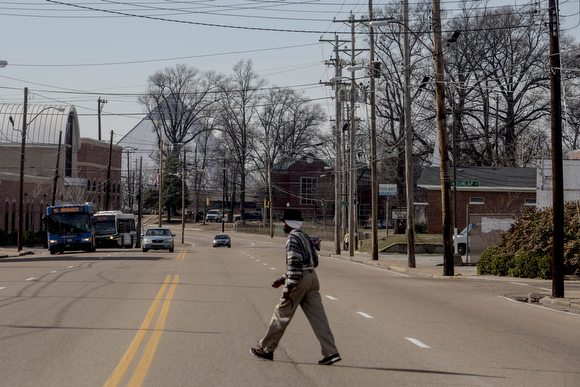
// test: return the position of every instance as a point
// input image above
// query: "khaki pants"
(307, 295)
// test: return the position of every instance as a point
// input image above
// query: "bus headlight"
(86, 239)
(51, 241)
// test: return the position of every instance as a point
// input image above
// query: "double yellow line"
(146, 359)
(181, 255)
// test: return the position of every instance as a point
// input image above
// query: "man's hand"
(279, 282)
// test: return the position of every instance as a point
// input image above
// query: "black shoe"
(263, 354)
(330, 359)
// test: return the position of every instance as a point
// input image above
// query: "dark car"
(156, 238)
(222, 240)
(315, 242)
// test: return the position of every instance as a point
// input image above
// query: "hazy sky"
(74, 52)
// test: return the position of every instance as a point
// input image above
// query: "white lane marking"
(265, 264)
(531, 286)
(31, 278)
(332, 298)
(70, 267)
(3, 287)
(365, 315)
(54, 271)
(417, 342)
(273, 268)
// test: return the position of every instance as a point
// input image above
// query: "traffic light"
(207, 201)
(322, 202)
(265, 204)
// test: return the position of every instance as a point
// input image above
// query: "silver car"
(158, 238)
(222, 240)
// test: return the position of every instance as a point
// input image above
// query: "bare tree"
(179, 100)
(242, 92)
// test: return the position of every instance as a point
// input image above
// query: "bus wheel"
(52, 251)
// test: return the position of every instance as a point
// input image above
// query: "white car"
(462, 239)
(157, 238)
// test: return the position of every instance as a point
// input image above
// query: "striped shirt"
(300, 255)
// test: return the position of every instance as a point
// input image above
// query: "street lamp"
(22, 159)
(3, 64)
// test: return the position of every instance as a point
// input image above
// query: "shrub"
(501, 265)
(484, 262)
(527, 264)
(420, 228)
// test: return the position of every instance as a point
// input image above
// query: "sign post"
(387, 190)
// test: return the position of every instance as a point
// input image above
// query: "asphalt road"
(189, 318)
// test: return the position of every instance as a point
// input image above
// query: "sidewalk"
(431, 266)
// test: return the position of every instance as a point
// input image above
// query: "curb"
(17, 255)
(567, 303)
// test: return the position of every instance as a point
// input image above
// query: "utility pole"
(337, 149)
(448, 261)
(100, 103)
(352, 165)
(21, 190)
(375, 185)
(557, 167)
(139, 209)
(55, 180)
(108, 182)
(183, 199)
(409, 175)
(160, 192)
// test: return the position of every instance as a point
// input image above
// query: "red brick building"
(305, 184)
(499, 191)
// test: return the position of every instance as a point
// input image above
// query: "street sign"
(344, 203)
(387, 190)
(465, 183)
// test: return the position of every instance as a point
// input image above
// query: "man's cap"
(292, 214)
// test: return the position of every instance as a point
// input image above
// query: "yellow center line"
(125, 362)
(181, 256)
(143, 368)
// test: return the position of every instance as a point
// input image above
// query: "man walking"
(301, 288)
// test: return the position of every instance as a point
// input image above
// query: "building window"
(307, 190)
(476, 200)
(530, 202)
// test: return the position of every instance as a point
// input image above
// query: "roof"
(45, 122)
(495, 178)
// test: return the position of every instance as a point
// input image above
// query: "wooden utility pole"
(337, 149)
(352, 165)
(409, 174)
(557, 167)
(183, 199)
(55, 180)
(100, 103)
(374, 181)
(21, 190)
(160, 185)
(448, 261)
(108, 181)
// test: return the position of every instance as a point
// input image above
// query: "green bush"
(4, 238)
(527, 264)
(501, 265)
(420, 228)
(485, 259)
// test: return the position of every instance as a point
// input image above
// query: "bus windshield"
(105, 227)
(68, 223)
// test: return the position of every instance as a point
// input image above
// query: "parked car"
(315, 242)
(213, 216)
(222, 240)
(156, 238)
(253, 215)
(462, 239)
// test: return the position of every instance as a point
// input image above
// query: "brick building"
(500, 191)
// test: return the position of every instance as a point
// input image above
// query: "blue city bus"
(70, 227)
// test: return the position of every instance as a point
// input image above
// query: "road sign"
(465, 183)
(387, 190)
(344, 203)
